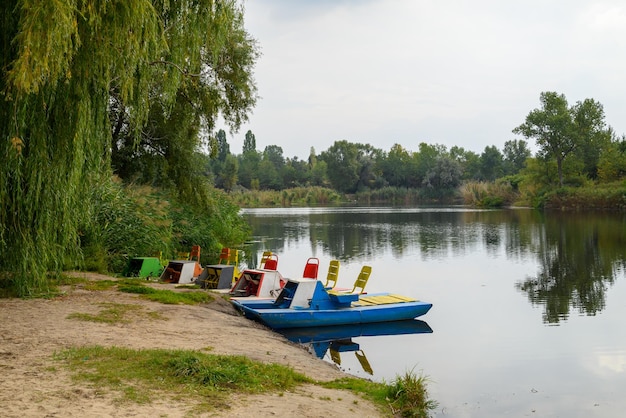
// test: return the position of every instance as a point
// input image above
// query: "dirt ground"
(33, 385)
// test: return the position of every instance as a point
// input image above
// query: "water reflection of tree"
(578, 254)
(578, 261)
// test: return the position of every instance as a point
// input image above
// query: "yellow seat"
(162, 260)
(233, 258)
(361, 281)
(266, 255)
(333, 274)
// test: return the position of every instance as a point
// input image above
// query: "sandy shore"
(33, 385)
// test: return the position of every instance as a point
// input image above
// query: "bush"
(139, 221)
(488, 195)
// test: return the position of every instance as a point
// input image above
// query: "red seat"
(195, 252)
(311, 267)
(271, 263)
(224, 256)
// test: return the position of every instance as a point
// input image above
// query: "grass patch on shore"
(112, 313)
(144, 375)
(167, 296)
(406, 396)
(115, 313)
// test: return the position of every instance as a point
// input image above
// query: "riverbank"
(34, 384)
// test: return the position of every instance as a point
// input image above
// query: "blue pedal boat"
(306, 303)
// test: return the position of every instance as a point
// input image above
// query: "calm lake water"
(528, 307)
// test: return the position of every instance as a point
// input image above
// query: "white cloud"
(404, 71)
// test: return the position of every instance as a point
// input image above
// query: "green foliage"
(491, 164)
(213, 223)
(87, 81)
(443, 177)
(605, 196)
(612, 162)
(562, 132)
(515, 154)
(139, 221)
(205, 71)
(342, 162)
(126, 222)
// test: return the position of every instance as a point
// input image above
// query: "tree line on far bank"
(575, 147)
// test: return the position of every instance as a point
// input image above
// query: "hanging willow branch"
(178, 67)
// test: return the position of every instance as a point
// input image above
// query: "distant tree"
(561, 131)
(491, 164)
(249, 168)
(422, 162)
(319, 175)
(312, 158)
(612, 161)
(229, 172)
(395, 165)
(342, 166)
(295, 172)
(274, 154)
(591, 134)
(269, 177)
(223, 148)
(249, 143)
(469, 161)
(444, 175)
(551, 127)
(249, 162)
(515, 154)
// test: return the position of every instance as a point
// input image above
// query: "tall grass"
(408, 396)
(488, 194)
(299, 196)
(406, 196)
(130, 221)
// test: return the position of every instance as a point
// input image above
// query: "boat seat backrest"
(311, 268)
(266, 255)
(272, 263)
(195, 253)
(224, 256)
(361, 281)
(333, 274)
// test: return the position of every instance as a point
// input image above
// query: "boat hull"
(278, 318)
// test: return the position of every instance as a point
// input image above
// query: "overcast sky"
(448, 72)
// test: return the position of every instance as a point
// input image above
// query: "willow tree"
(67, 66)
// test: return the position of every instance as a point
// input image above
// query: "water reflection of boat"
(338, 339)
